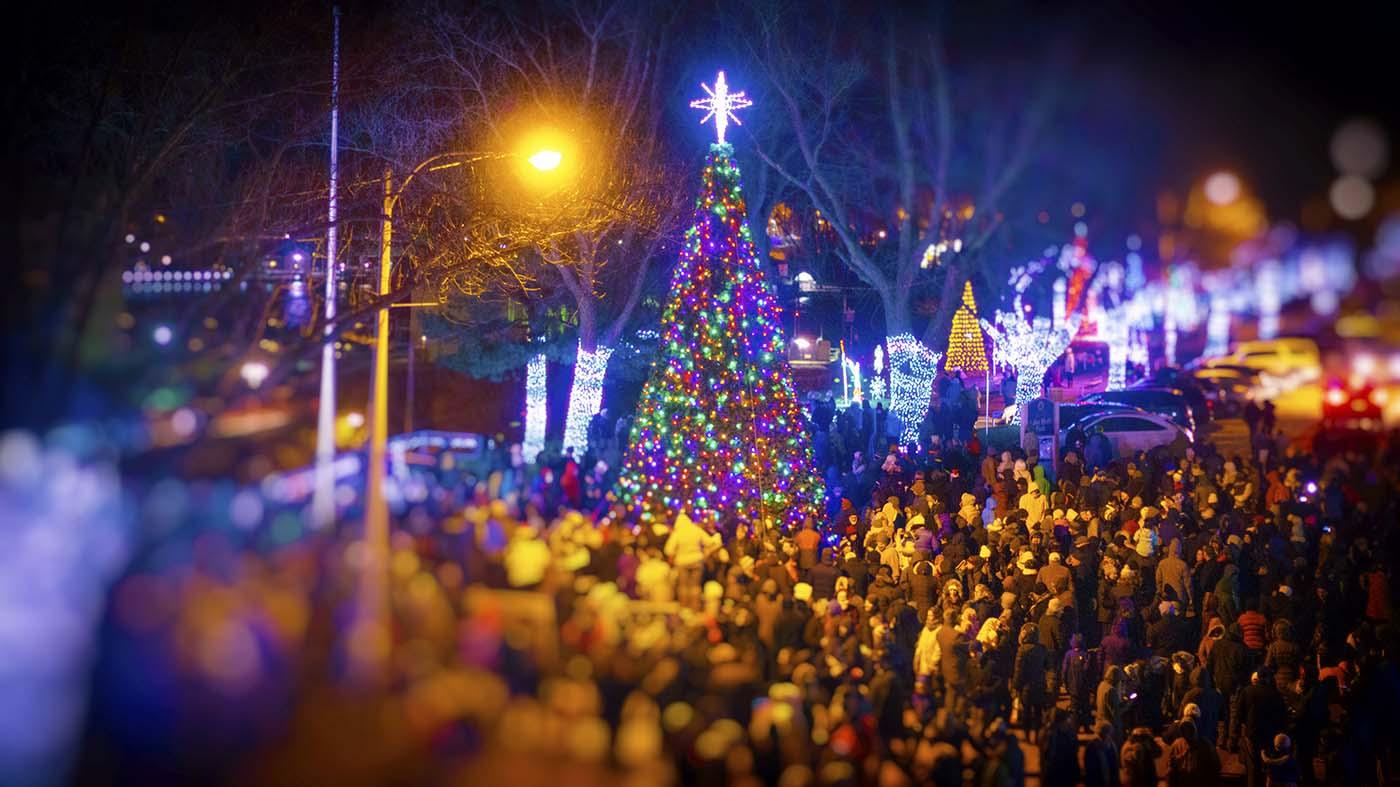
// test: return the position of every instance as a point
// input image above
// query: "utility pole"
(370, 630)
(323, 494)
(376, 509)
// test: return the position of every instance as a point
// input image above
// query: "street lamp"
(544, 161)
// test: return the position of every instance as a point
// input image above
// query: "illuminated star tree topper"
(720, 105)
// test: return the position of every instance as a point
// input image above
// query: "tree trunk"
(949, 299)
(896, 306)
(1030, 384)
(536, 407)
(913, 366)
(586, 392)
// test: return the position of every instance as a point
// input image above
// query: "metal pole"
(375, 592)
(408, 394)
(323, 493)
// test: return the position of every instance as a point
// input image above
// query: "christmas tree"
(719, 430)
(966, 347)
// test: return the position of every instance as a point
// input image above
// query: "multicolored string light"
(719, 430)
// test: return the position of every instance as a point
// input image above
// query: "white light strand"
(1218, 325)
(1267, 291)
(877, 389)
(535, 408)
(1169, 338)
(913, 368)
(853, 388)
(1060, 288)
(1031, 347)
(586, 396)
(1113, 327)
(721, 105)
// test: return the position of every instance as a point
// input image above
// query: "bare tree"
(595, 66)
(906, 156)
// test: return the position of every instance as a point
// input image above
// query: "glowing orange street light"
(546, 160)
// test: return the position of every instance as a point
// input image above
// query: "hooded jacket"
(1174, 573)
(1204, 696)
(1029, 674)
(687, 542)
(968, 509)
(923, 587)
(1228, 659)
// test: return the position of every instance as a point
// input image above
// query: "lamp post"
(368, 651)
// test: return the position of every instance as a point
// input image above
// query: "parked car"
(1154, 400)
(1226, 377)
(1131, 432)
(1228, 392)
(1078, 411)
(1279, 357)
(1189, 390)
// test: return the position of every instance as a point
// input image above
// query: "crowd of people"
(959, 616)
(1142, 617)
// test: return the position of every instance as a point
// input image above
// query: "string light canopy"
(720, 105)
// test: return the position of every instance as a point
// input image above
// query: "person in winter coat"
(686, 548)
(1059, 751)
(1110, 705)
(1139, 759)
(1034, 503)
(823, 576)
(1075, 675)
(1028, 679)
(1172, 633)
(968, 508)
(1262, 715)
(1056, 577)
(768, 609)
(1117, 648)
(1105, 604)
(926, 655)
(1227, 594)
(1041, 482)
(923, 587)
(1192, 761)
(1054, 635)
(1173, 574)
(1209, 704)
(1283, 656)
(1101, 758)
(1280, 766)
(808, 541)
(1228, 662)
(884, 591)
